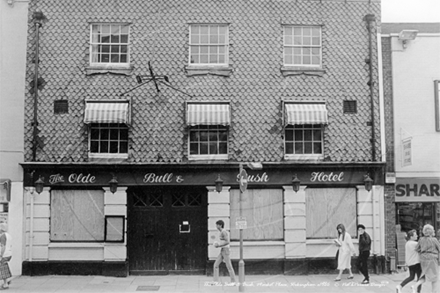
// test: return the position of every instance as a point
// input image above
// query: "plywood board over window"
(328, 207)
(263, 210)
(77, 215)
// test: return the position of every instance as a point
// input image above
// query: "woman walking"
(429, 254)
(412, 261)
(346, 249)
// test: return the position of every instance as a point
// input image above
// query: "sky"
(410, 10)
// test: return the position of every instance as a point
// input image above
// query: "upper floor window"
(304, 139)
(108, 138)
(108, 135)
(304, 130)
(208, 44)
(208, 140)
(208, 130)
(302, 46)
(109, 44)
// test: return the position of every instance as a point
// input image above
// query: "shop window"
(77, 215)
(414, 215)
(328, 207)
(263, 210)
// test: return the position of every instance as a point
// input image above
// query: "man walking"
(364, 253)
(224, 252)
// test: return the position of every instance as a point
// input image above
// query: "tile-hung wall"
(258, 77)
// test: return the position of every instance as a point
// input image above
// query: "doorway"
(167, 230)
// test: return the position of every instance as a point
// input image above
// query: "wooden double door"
(167, 230)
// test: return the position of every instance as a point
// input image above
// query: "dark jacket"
(364, 242)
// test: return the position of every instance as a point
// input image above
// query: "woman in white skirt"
(346, 249)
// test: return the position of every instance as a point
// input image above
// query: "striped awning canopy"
(300, 114)
(208, 114)
(107, 112)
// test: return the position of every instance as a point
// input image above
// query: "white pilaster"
(218, 209)
(115, 204)
(369, 208)
(295, 222)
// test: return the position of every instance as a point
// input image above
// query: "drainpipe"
(381, 96)
(31, 226)
(370, 18)
(39, 17)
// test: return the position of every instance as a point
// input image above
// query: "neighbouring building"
(148, 110)
(13, 35)
(411, 63)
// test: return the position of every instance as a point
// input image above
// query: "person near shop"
(345, 250)
(412, 261)
(6, 255)
(364, 253)
(429, 255)
(224, 255)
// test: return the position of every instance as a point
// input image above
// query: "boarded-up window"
(328, 207)
(77, 215)
(263, 210)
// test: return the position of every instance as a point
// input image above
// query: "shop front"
(160, 219)
(418, 203)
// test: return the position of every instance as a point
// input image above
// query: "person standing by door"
(6, 255)
(364, 252)
(224, 252)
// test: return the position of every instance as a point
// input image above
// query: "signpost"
(241, 221)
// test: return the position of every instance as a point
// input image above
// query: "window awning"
(300, 114)
(208, 114)
(107, 112)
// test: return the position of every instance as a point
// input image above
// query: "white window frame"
(108, 155)
(92, 43)
(208, 156)
(193, 44)
(302, 46)
(319, 156)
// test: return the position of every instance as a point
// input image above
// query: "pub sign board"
(100, 177)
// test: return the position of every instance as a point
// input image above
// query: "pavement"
(202, 283)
